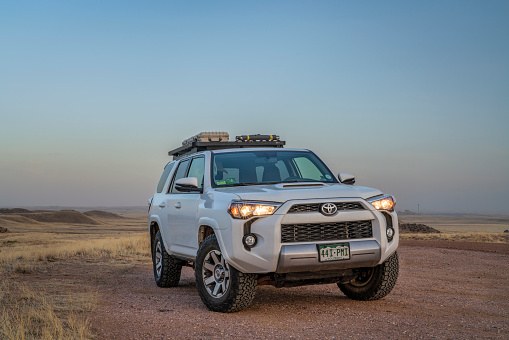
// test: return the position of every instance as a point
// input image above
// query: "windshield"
(268, 167)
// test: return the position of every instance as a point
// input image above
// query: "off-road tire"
(374, 283)
(240, 290)
(167, 268)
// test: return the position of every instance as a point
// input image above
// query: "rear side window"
(164, 177)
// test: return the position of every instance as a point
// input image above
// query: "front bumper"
(304, 257)
(271, 255)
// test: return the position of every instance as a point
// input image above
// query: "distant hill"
(25, 216)
(19, 215)
(13, 210)
(101, 214)
(10, 217)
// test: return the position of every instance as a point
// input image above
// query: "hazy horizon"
(411, 97)
(142, 208)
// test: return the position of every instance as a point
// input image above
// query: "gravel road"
(444, 291)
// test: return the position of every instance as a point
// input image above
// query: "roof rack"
(220, 140)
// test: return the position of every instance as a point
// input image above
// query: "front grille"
(308, 232)
(315, 207)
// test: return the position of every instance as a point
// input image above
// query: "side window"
(197, 169)
(307, 169)
(164, 177)
(180, 173)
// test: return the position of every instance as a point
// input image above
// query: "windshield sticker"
(328, 176)
(226, 181)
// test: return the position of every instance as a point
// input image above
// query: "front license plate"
(333, 252)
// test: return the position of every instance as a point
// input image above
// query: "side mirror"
(187, 184)
(346, 178)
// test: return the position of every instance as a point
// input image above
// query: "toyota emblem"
(328, 209)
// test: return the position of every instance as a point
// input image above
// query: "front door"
(183, 210)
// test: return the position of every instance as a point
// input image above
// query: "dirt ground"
(444, 291)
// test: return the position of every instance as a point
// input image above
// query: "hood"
(291, 191)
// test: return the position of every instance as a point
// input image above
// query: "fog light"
(249, 240)
(390, 233)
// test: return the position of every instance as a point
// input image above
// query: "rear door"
(158, 206)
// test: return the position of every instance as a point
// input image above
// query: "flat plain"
(87, 274)
(461, 222)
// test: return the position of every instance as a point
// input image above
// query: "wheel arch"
(205, 231)
(208, 226)
(153, 229)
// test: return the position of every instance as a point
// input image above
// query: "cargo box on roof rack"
(220, 140)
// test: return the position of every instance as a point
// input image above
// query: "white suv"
(248, 212)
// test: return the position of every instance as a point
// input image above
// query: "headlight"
(245, 210)
(384, 202)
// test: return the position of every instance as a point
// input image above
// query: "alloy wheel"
(216, 274)
(158, 259)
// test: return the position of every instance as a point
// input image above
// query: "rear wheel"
(373, 283)
(222, 288)
(167, 268)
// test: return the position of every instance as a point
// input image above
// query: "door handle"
(162, 205)
(178, 205)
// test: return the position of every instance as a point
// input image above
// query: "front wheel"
(222, 288)
(373, 283)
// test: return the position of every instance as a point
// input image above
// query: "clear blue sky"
(412, 97)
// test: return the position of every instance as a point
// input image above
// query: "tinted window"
(262, 167)
(164, 177)
(180, 173)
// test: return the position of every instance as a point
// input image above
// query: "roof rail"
(220, 140)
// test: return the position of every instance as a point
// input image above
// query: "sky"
(410, 96)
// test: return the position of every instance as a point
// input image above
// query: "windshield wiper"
(300, 180)
(247, 184)
(265, 183)
(237, 185)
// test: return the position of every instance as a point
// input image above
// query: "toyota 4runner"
(249, 212)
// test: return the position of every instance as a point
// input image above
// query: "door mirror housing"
(346, 178)
(188, 184)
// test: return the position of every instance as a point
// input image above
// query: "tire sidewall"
(374, 281)
(381, 283)
(241, 288)
(170, 266)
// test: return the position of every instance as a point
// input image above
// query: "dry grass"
(23, 253)
(48, 310)
(464, 237)
(30, 314)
